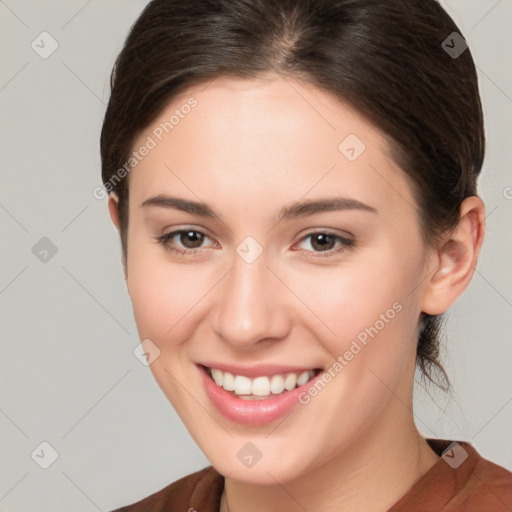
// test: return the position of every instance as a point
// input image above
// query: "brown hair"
(391, 60)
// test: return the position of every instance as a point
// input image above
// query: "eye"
(326, 242)
(183, 241)
(189, 241)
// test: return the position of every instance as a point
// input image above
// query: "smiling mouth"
(260, 388)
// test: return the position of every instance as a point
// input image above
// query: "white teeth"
(228, 382)
(217, 376)
(290, 381)
(277, 384)
(260, 386)
(302, 378)
(242, 385)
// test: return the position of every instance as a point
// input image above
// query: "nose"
(251, 306)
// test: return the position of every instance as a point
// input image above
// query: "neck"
(371, 475)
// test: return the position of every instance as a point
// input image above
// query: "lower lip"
(252, 412)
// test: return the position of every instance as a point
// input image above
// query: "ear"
(455, 261)
(113, 208)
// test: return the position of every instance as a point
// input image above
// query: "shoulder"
(460, 481)
(200, 490)
(489, 487)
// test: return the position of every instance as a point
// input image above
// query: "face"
(270, 233)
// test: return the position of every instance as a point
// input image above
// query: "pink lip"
(252, 412)
(260, 370)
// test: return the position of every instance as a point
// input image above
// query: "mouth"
(256, 395)
(262, 387)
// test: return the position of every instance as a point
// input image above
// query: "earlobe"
(113, 208)
(456, 259)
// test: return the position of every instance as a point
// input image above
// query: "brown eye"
(191, 239)
(322, 241)
(184, 241)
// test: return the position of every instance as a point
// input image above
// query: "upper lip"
(259, 370)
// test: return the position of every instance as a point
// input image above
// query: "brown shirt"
(460, 481)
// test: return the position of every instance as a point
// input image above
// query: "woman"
(294, 184)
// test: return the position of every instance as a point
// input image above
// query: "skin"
(249, 148)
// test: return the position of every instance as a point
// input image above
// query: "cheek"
(155, 293)
(167, 302)
(366, 317)
(355, 295)
(161, 296)
(168, 298)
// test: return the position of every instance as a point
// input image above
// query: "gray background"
(68, 373)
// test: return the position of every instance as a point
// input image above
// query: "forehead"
(241, 140)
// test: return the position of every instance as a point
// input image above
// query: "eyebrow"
(330, 204)
(295, 210)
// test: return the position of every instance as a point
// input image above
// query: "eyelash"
(346, 243)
